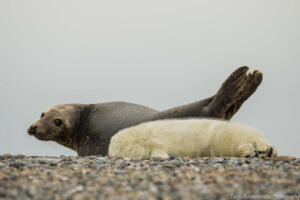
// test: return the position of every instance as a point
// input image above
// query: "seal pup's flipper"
(235, 90)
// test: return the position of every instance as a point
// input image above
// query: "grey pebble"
(53, 164)
(16, 164)
(176, 163)
(237, 162)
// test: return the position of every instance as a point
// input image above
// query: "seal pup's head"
(58, 123)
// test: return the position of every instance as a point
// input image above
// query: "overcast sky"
(157, 53)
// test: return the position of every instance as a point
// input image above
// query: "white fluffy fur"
(189, 138)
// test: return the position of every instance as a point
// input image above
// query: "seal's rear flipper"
(253, 81)
(235, 90)
(238, 87)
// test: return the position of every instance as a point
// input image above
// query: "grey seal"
(88, 128)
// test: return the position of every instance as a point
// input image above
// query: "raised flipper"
(253, 81)
(235, 90)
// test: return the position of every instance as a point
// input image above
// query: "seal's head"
(57, 123)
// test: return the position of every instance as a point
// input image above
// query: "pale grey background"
(156, 53)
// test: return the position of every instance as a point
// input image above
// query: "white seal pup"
(190, 138)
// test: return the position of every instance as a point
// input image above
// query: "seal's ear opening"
(57, 122)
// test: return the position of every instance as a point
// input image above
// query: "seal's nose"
(32, 129)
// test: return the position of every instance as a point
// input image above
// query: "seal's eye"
(57, 122)
(42, 115)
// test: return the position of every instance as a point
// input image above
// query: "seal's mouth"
(33, 131)
(41, 136)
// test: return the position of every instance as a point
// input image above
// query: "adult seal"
(88, 128)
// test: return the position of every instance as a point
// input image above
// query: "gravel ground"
(94, 177)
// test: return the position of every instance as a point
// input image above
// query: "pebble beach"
(95, 177)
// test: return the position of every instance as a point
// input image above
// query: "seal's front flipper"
(247, 151)
(238, 87)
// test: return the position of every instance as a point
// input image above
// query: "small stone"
(13, 192)
(70, 192)
(17, 165)
(237, 162)
(159, 183)
(158, 159)
(42, 162)
(219, 160)
(196, 163)
(53, 164)
(153, 189)
(269, 163)
(176, 163)
(169, 166)
(247, 161)
(19, 156)
(2, 193)
(66, 159)
(153, 164)
(5, 156)
(48, 185)
(32, 191)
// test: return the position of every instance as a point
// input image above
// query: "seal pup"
(190, 138)
(88, 128)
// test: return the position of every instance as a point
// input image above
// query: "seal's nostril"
(32, 129)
